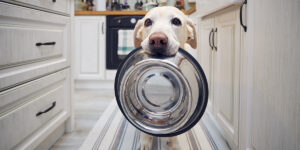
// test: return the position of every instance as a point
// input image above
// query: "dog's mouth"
(161, 51)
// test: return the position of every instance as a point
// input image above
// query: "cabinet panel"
(223, 74)
(205, 56)
(19, 122)
(274, 26)
(20, 29)
(226, 74)
(27, 51)
(90, 48)
(220, 61)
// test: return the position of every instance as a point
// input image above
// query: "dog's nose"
(158, 40)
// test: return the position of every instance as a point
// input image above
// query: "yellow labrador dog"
(162, 31)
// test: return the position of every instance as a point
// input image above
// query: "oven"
(119, 38)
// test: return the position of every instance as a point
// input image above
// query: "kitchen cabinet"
(226, 73)
(269, 75)
(274, 74)
(253, 74)
(220, 58)
(35, 73)
(90, 47)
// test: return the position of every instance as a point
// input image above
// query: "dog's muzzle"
(158, 43)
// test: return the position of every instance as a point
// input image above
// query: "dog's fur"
(177, 36)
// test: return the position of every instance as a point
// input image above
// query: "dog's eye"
(176, 21)
(148, 22)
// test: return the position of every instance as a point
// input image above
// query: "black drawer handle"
(45, 111)
(53, 1)
(47, 43)
(209, 38)
(241, 16)
(213, 39)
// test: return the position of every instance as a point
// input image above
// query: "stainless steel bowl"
(159, 95)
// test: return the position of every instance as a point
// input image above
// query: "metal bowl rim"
(203, 101)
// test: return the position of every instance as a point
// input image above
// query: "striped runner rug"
(113, 132)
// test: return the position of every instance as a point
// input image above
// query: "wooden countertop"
(107, 13)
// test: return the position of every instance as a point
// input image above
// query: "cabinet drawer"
(23, 45)
(30, 37)
(55, 5)
(27, 108)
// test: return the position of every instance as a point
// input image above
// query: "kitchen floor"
(88, 106)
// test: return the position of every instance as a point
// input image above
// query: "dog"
(162, 31)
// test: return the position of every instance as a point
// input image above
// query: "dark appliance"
(115, 23)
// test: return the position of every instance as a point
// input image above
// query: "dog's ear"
(136, 34)
(192, 35)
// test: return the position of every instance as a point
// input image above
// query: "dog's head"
(163, 30)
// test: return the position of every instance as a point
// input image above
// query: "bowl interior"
(156, 96)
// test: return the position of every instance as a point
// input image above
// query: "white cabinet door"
(274, 41)
(205, 55)
(90, 47)
(226, 74)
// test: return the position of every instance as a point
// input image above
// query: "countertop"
(107, 13)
